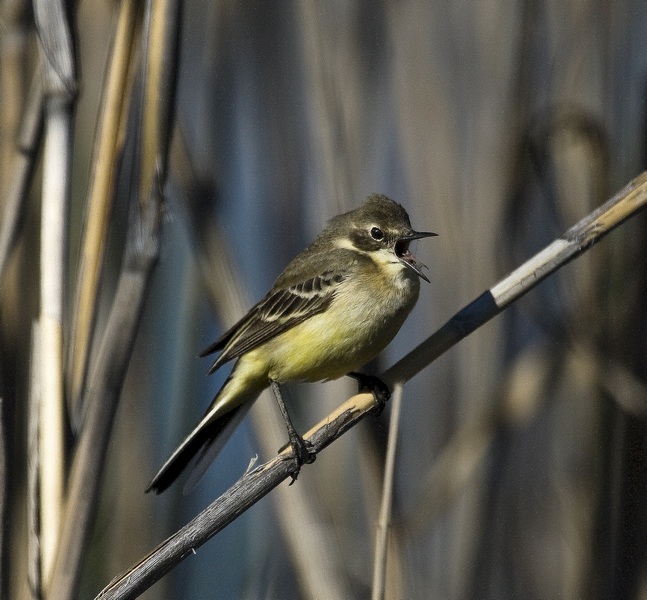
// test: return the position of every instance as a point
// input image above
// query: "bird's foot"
(303, 451)
(375, 386)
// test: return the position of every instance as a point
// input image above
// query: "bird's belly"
(353, 331)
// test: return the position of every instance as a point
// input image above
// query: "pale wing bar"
(277, 312)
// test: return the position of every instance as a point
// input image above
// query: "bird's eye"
(377, 233)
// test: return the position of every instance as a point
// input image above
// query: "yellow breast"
(366, 313)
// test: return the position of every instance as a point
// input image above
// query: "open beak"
(408, 259)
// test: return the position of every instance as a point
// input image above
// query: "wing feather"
(279, 311)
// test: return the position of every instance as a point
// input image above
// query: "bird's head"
(382, 226)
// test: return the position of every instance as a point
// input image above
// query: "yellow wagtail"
(333, 309)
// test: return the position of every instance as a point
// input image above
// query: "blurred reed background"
(522, 464)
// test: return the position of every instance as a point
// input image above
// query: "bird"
(333, 309)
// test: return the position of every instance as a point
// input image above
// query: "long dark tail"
(208, 437)
(201, 439)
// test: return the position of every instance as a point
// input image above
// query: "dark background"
(497, 124)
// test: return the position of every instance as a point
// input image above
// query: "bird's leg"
(375, 386)
(303, 450)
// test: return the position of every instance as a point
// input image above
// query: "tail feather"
(230, 405)
(212, 447)
(201, 438)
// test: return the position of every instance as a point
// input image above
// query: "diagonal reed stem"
(257, 483)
